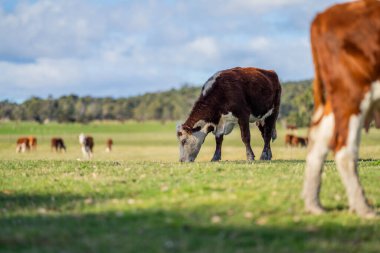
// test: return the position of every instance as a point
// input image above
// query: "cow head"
(191, 139)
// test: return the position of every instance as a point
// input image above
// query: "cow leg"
(84, 151)
(218, 150)
(246, 137)
(319, 136)
(267, 131)
(346, 160)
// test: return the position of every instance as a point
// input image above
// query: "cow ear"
(210, 129)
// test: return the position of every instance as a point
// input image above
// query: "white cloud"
(204, 47)
(129, 47)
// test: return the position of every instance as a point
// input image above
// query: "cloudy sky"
(122, 48)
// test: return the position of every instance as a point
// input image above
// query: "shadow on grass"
(165, 231)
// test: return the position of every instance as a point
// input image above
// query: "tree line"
(175, 104)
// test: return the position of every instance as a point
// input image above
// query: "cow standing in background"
(289, 140)
(87, 143)
(346, 52)
(230, 97)
(58, 145)
(22, 145)
(32, 143)
(109, 145)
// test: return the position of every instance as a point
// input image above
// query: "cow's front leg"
(218, 149)
(246, 137)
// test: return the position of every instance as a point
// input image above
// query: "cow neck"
(202, 110)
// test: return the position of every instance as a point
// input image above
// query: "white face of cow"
(191, 140)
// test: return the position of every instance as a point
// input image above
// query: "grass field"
(139, 199)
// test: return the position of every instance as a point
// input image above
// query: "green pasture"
(149, 141)
(138, 198)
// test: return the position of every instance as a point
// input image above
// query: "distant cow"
(295, 141)
(58, 144)
(302, 141)
(32, 142)
(346, 52)
(299, 141)
(109, 145)
(230, 97)
(87, 143)
(22, 144)
(289, 140)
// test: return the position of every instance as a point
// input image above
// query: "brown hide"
(240, 91)
(346, 53)
(57, 144)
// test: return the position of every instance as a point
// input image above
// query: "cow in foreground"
(58, 144)
(230, 97)
(346, 52)
(87, 143)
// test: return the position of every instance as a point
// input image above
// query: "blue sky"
(122, 48)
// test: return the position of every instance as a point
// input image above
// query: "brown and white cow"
(32, 142)
(22, 144)
(230, 97)
(289, 140)
(58, 144)
(298, 141)
(109, 144)
(346, 52)
(87, 143)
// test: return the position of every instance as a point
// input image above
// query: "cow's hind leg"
(268, 132)
(246, 137)
(346, 160)
(218, 149)
(320, 135)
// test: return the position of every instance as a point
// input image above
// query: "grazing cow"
(87, 143)
(230, 97)
(346, 51)
(109, 145)
(302, 141)
(32, 142)
(289, 140)
(58, 144)
(299, 141)
(22, 144)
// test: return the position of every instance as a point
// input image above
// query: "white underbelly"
(228, 121)
(226, 124)
(253, 119)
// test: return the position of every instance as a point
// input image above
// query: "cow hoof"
(265, 157)
(250, 158)
(216, 159)
(317, 210)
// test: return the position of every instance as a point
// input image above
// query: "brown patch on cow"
(346, 50)
(57, 144)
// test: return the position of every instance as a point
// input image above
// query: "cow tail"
(277, 101)
(318, 87)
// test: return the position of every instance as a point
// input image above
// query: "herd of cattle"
(57, 144)
(345, 42)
